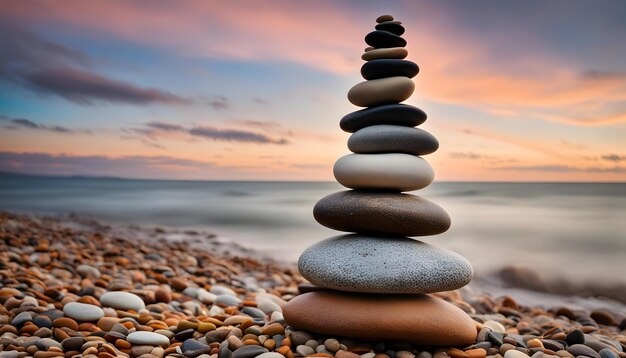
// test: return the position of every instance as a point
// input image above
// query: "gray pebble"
(608, 353)
(21, 318)
(249, 351)
(305, 350)
(582, 350)
(332, 344)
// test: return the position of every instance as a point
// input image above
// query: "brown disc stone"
(419, 319)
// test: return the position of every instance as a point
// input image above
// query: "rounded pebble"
(82, 312)
(148, 338)
(122, 300)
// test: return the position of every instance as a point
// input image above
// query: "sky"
(254, 90)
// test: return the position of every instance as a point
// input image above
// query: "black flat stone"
(392, 139)
(382, 68)
(384, 39)
(395, 114)
(391, 26)
(364, 211)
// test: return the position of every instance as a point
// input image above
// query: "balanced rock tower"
(373, 283)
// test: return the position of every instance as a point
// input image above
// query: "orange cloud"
(458, 66)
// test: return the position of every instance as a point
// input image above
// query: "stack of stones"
(374, 283)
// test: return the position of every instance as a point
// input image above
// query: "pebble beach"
(66, 291)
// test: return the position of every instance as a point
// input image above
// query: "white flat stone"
(148, 338)
(495, 326)
(390, 171)
(513, 353)
(122, 300)
(381, 91)
(83, 312)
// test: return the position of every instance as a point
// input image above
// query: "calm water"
(574, 232)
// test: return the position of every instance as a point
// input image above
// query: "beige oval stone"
(389, 171)
(381, 91)
(419, 319)
(391, 52)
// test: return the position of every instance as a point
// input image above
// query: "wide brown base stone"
(418, 319)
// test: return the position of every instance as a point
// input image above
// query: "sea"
(546, 244)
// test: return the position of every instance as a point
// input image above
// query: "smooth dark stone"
(192, 345)
(113, 336)
(253, 312)
(483, 345)
(224, 352)
(87, 291)
(596, 345)
(198, 352)
(582, 350)
(391, 26)
(552, 344)
(43, 321)
(608, 353)
(184, 334)
(21, 318)
(495, 338)
(381, 212)
(218, 335)
(98, 334)
(392, 139)
(386, 67)
(72, 343)
(249, 351)
(384, 39)
(278, 338)
(53, 314)
(575, 337)
(394, 114)
(515, 339)
(603, 317)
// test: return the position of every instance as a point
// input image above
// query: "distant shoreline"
(96, 177)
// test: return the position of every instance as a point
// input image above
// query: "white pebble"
(495, 326)
(268, 306)
(83, 312)
(148, 338)
(222, 290)
(122, 300)
(513, 353)
(270, 355)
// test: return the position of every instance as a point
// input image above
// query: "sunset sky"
(247, 90)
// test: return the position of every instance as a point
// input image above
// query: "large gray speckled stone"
(392, 139)
(379, 264)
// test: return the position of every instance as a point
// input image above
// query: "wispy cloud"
(48, 68)
(217, 102)
(614, 157)
(44, 163)
(23, 123)
(485, 158)
(562, 169)
(234, 135)
(155, 130)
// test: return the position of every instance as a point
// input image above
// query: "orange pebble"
(456, 353)
(476, 353)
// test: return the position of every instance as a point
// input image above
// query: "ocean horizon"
(565, 234)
